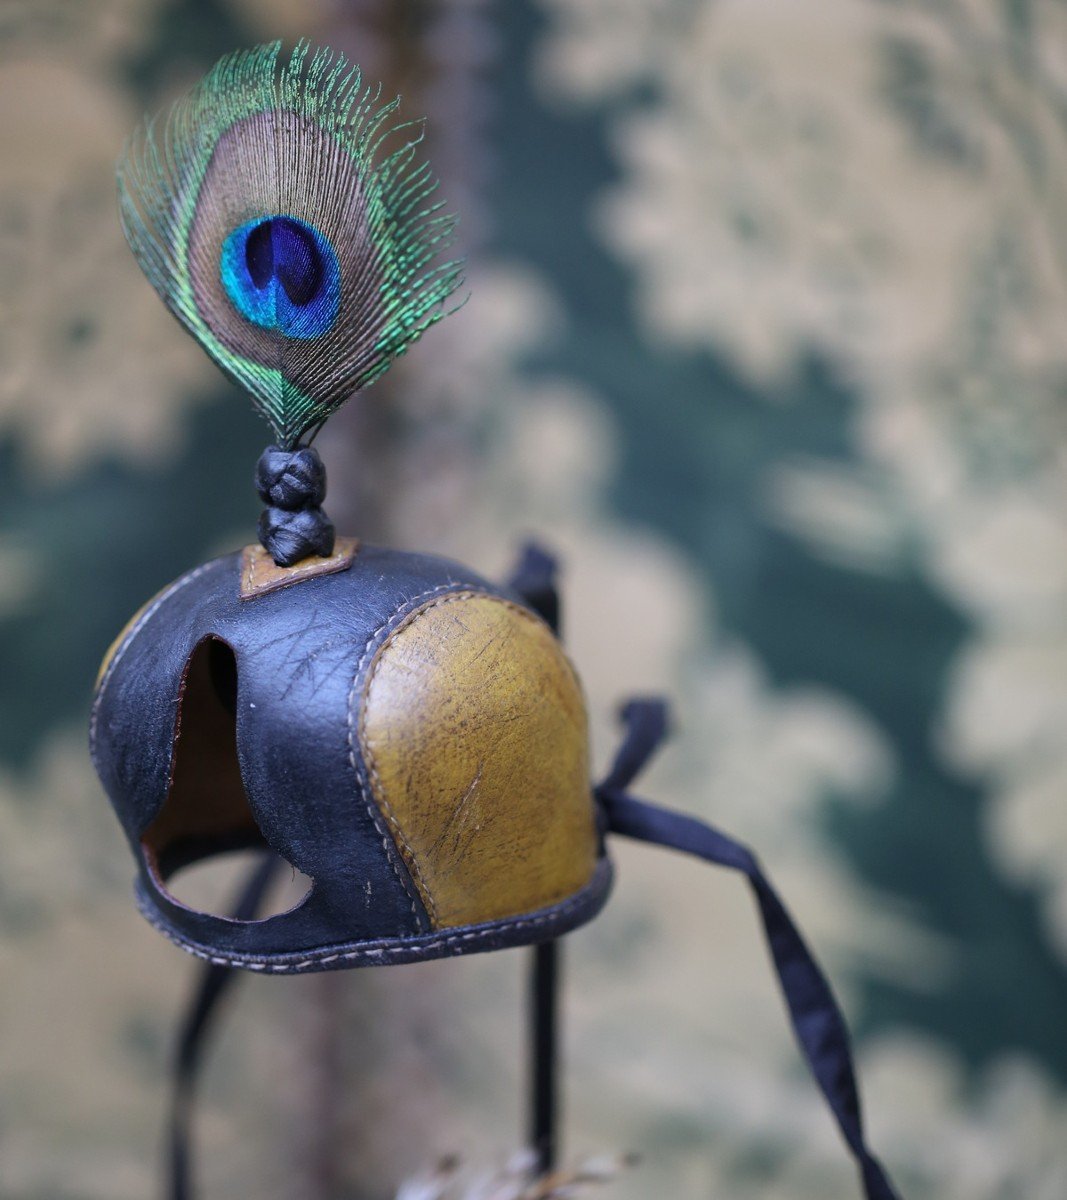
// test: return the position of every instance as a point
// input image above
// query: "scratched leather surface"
(297, 652)
(302, 655)
(473, 729)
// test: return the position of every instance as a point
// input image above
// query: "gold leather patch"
(261, 574)
(474, 733)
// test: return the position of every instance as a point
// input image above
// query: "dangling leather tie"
(212, 985)
(817, 1021)
(820, 1028)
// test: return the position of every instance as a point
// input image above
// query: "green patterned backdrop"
(766, 337)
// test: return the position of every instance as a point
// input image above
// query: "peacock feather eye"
(285, 219)
(282, 273)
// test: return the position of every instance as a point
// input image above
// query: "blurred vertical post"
(364, 1094)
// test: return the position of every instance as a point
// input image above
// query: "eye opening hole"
(213, 883)
(206, 821)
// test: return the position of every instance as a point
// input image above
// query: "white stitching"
(434, 943)
(372, 808)
(377, 788)
(350, 547)
(135, 629)
(368, 754)
(556, 913)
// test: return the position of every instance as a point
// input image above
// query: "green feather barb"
(271, 215)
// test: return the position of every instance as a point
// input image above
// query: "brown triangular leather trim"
(261, 574)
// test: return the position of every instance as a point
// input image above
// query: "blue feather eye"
(281, 273)
(282, 222)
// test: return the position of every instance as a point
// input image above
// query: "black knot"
(292, 483)
(291, 479)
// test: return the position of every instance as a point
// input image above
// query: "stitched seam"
(253, 558)
(377, 787)
(559, 912)
(135, 629)
(373, 809)
(406, 849)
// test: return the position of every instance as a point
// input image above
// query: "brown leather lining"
(261, 574)
(206, 798)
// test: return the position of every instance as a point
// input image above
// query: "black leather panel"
(540, 926)
(300, 652)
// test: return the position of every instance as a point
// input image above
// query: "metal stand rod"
(544, 1053)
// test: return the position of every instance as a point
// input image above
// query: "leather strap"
(818, 1024)
(212, 984)
(534, 581)
(544, 1054)
(820, 1029)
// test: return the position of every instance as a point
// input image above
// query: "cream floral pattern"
(90, 365)
(885, 185)
(879, 186)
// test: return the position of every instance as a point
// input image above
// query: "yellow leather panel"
(473, 729)
(261, 574)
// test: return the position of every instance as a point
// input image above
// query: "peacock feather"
(284, 217)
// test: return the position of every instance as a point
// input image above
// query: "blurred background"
(766, 338)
